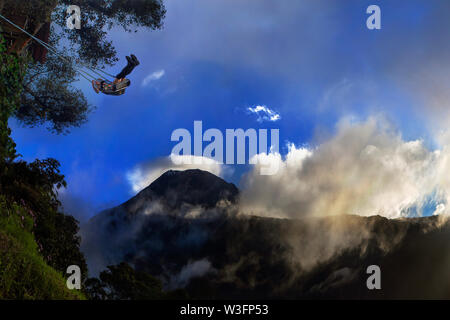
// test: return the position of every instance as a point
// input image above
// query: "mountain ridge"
(243, 256)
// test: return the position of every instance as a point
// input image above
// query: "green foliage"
(24, 257)
(42, 241)
(33, 183)
(49, 97)
(122, 282)
(34, 186)
(39, 8)
(11, 75)
(58, 235)
(23, 272)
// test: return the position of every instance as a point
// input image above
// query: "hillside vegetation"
(33, 250)
(24, 274)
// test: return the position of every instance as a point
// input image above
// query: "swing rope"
(82, 72)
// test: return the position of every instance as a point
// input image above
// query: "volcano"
(175, 189)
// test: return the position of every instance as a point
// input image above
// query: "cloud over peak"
(143, 174)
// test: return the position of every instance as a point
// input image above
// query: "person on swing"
(120, 83)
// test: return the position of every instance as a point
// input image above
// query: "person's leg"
(128, 68)
(125, 71)
(135, 60)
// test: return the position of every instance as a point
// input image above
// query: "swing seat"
(109, 88)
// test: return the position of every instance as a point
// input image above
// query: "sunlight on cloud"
(142, 175)
(264, 113)
(365, 169)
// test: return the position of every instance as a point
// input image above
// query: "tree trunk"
(20, 44)
(23, 40)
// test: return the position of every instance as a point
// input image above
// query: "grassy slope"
(23, 271)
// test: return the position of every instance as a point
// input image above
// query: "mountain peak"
(193, 187)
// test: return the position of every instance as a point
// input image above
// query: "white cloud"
(440, 209)
(264, 113)
(153, 77)
(192, 270)
(365, 169)
(144, 174)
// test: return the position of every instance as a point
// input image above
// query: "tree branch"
(34, 76)
(38, 100)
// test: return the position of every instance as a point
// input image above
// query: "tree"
(11, 76)
(122, 282)
(48, 95)
(57, 234)
(34, 187)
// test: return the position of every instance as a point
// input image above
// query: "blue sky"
(314, 62)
